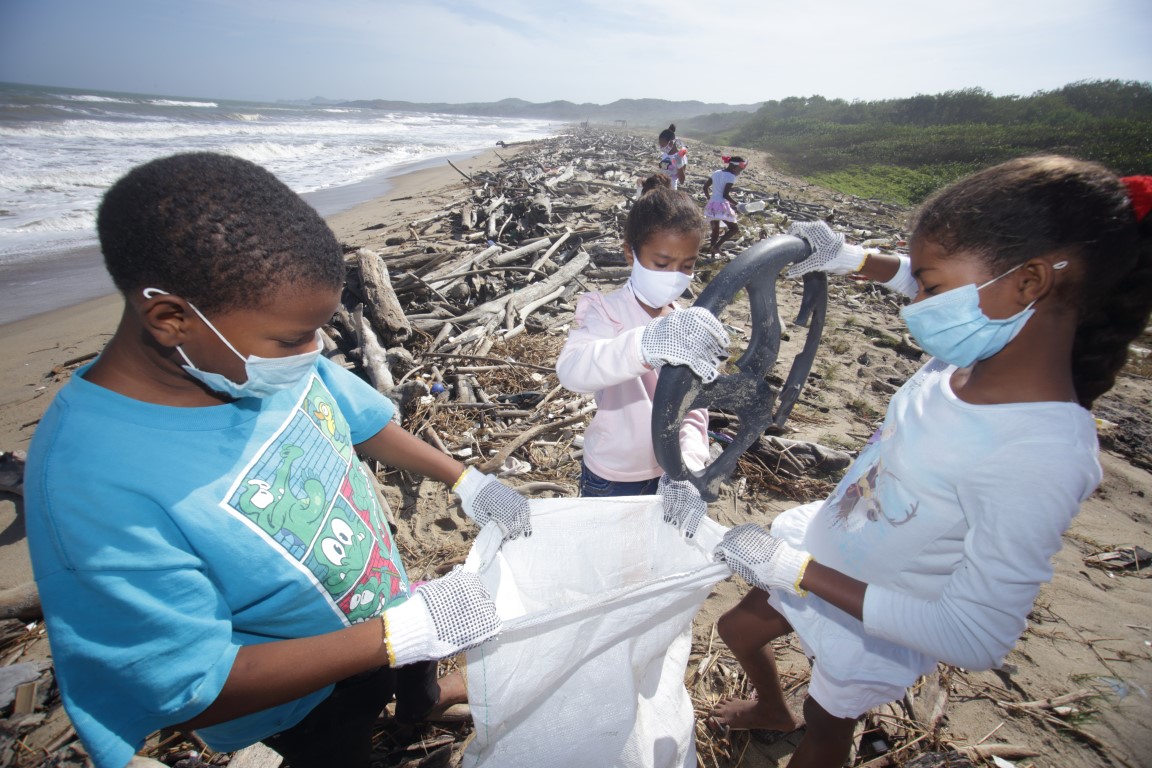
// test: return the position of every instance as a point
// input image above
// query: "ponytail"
(1118, 316)
(655, 181)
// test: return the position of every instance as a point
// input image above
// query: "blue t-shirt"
(163, 539)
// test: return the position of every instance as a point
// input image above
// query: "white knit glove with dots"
(829, 251)
(484, 498)
(441, 618)
(763, 560)
(693, 337)
(683, 506)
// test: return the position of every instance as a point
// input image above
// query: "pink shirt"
(602, 356)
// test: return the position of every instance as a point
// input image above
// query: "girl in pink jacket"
(618, 342)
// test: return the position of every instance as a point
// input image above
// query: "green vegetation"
(901, 150)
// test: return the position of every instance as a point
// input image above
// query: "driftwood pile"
(459, 316)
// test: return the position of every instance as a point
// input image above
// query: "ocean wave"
(56, 163)
(173, 103)
(157, 129)
(72, 221)
(95, 98)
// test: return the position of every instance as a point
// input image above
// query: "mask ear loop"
(1055, 267)
(150, 293)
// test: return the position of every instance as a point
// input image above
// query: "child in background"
(673, 156)
(1030, 279)
(618, 342)
(721, 207)
(208, 548)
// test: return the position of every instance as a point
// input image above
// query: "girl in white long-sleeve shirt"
(1029, 280)
(616, 336)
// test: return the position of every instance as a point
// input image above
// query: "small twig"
(990, 733)
(460, 171)
(1061, 725)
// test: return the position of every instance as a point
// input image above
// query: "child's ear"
(1037, 278)
(629, 256)
(166, 318)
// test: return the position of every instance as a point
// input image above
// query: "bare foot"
(747, 714)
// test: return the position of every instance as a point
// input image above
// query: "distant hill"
(650, 112)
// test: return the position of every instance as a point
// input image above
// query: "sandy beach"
(1089, 631)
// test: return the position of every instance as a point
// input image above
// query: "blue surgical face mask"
(266, 375)
(951, 326)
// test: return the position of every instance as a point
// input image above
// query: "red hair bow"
(1140, 193)
(725, 158)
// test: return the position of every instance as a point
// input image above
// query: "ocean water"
(60, 149)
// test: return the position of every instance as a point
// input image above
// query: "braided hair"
(660, 209)
(217, 230)
(1031, 206)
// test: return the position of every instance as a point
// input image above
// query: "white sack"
(588, 669)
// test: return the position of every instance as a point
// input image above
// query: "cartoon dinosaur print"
(273, 505)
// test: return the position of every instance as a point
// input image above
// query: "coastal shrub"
(902, 150)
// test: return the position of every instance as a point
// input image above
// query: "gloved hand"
(683, 506)
(829, 251)
(692, 337)
(441, 618)
(485, 498)
(763, 560)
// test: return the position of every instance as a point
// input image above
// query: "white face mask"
(266, 375)
(656, 288)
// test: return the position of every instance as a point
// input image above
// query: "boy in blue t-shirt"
(209, 551)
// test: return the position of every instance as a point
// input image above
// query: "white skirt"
(852, 671)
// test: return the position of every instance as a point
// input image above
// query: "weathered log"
(384, 308)
(517, 315)
(609, 273)
(464, 392)
(445, 273)
(521, 252)
(373, 356)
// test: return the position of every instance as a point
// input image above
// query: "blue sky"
(738, 51)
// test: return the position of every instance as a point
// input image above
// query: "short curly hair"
(220, 231)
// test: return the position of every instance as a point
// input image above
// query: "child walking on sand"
(207, 546)
(1030, 279)
(673, 156)
(721, 207)
(618, 342)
